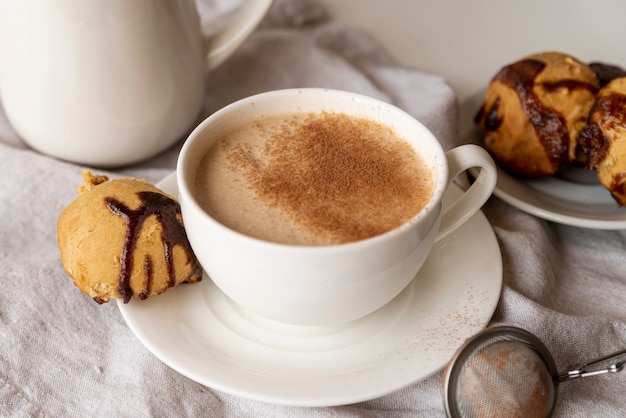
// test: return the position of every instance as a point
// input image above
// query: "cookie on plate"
(533, 111)
(603, 140)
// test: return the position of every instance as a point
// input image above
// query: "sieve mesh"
(501, 375)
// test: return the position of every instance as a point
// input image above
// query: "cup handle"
(461, 159)
(223, 43)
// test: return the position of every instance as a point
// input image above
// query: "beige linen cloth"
(62, 355)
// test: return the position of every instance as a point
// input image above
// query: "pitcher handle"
(224, 42)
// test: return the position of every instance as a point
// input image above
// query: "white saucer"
(574, 198)
(200, 333)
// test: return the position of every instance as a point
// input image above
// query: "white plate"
(200, 333)
(574, 198)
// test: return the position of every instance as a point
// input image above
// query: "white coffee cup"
(331, 284)
(109, 82)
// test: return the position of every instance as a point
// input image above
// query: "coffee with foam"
(313, 179)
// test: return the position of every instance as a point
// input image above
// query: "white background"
(469, 41)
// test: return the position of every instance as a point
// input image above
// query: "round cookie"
(603, 140)
(533, 111)
(124, 238)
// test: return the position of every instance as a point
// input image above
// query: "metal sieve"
(505, 371)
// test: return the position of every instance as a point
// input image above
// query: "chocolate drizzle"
(492, 120)
(548, 124)
(166, 211)
(594, 144)
(569, 85)
(611, 106)
(609, 109)
(606, 72)
(147, 282)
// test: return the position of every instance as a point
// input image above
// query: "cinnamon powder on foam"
(337, 176)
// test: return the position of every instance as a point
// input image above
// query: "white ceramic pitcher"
(109, 82)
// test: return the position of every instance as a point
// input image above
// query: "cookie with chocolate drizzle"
(533, 111)
(124, 238)
(604, 138)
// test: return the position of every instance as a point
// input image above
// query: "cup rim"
(183, 178)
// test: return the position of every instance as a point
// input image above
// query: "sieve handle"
(612, 363)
